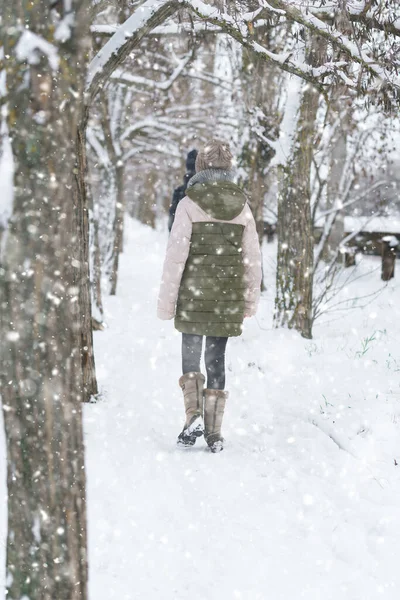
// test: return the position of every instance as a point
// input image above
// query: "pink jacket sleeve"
(252, 266)
(175, 260)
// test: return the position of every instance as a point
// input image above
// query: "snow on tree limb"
(127, 37)
(308, 19)
(122, 77)
(97, 147)
(239, 28)
(362, 14)
(105, 29)
(170, 29)
(153, 13)
(6, 183)
(31, 46)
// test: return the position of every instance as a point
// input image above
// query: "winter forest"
(237, 165)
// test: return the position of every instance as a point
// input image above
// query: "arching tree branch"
(127, 37)
(154, 13)
(308, 18)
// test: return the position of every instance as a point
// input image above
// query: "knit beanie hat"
(214, 155)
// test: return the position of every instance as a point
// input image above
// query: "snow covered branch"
(120, 76)
(308, 18)
(168, 29)
(371, 20)
(358, 198)
(149, 123)
(153, 13)
(127, 37)
(240, 28)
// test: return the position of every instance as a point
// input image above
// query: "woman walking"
(211, 281)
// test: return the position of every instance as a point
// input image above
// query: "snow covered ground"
(304, 501)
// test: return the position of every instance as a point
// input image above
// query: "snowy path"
(302, 503)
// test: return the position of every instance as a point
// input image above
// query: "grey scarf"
(211, 175)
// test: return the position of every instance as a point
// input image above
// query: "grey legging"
(214, 357)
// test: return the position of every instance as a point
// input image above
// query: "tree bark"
(81, 201)
(334, 189)
(118, 228)
(146, 212)
(261, 84)
(95, 265)
(340, 109)
(40, 366)
(112, 183)
(260, 159)
(294, 280)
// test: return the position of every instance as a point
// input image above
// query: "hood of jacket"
(219, 199)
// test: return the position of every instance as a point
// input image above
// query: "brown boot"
(192, 385)
(214, 406)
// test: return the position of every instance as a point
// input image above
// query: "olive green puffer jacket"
(211, 295)
(212, 271)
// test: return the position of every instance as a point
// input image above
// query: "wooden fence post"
(388, 246)
(350, 256)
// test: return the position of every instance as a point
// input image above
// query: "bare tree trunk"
(261, 157)
(261, 85)
(90, 388)
(95, 266)
(118, 228)
(40, 362)
(294, 281)
(112, 173)
(146, 212)
(338, 159)
(339, 117)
